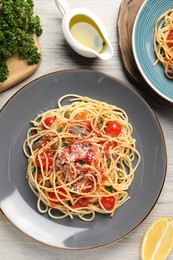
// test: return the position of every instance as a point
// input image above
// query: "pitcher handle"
(62, 6)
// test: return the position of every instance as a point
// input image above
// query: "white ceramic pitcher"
(85, 17)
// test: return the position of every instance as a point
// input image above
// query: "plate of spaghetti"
(152, 42)
(79, 163)
(80, 158)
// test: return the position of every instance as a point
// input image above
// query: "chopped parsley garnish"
(100, 122)
(109, 188)
(66, 145)
(108, 161)
(81, 162)
(60, 129)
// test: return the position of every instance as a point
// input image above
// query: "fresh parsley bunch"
(17, 26)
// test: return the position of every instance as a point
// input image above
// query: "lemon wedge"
(158, 240)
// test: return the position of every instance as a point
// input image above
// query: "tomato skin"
(83, 202)
(170, 38)
(43, 157)
(52, 195)
(88, 124)
(113, 128)
(106, 149)
(39, 177)
(48, 121)
(81, 116)
(108, 202)
(104, 177)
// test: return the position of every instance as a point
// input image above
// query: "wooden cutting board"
(19, 69)
(127, 14)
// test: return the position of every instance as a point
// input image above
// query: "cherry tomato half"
(170, 38)
(113, 128)
(83, 202)
(48, 121)
(52, 195)
(43, 157)
(108, 202)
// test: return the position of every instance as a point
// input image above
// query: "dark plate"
(17, 200)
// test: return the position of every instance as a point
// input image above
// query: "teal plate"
(142, 44)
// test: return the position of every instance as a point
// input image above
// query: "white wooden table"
(57, 55)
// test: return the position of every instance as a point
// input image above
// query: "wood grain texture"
(127, 14)
(57, 55)
(19, 69)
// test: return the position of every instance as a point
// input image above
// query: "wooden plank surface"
(57, 55)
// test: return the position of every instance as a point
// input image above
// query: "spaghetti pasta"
(163, 41)
(81, 158)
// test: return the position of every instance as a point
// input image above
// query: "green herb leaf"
(60, 129)
(81, 162)
(65, 145)
(36, 170)
(109, 188)
(100, 122)
(108, 161)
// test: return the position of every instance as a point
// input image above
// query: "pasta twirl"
(81, 158)
(163, 41)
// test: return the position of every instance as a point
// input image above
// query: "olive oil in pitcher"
(86, 32)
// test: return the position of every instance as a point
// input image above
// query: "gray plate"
(17, 200)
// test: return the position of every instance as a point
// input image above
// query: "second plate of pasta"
(144, 47)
